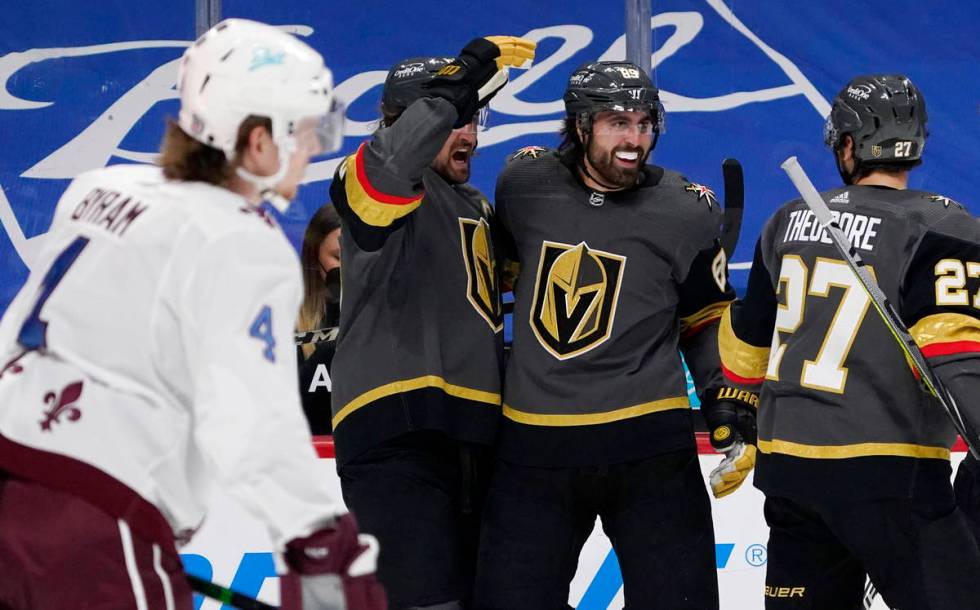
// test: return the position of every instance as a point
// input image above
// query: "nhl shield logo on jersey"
(482, 289)
(703, 192)
(575, 295)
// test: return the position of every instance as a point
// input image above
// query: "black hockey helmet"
(611, 85)
(403, 85)
(885, 114)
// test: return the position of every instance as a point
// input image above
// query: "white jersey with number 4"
(155, 331)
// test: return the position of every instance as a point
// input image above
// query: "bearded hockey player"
(149, 355)
(417, 371)
(853, 455)
(620, 265)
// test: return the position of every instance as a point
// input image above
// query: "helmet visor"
(480, 122)
(658, 117)
(322, 134)
(623, 122)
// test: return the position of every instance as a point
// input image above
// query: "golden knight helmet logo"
(482, 288)
(575, 296)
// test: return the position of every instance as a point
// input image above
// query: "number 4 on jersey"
(33, 333)
(261, 329)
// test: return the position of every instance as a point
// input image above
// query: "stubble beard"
(604, 164)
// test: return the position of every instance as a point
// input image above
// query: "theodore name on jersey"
(859, 229)
(111, 210)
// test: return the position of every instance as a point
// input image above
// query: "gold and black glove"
(473, 78)
(730, 414)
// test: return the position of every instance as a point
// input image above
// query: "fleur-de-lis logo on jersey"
(62, 403)
(575, 296)
(482, 288)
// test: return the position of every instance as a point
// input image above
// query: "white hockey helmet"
(241, 68)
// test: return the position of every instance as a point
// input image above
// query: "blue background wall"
(88, 84)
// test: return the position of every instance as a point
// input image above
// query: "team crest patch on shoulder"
(946, 201)
(703, 192)
(528, 152)
(486, 208)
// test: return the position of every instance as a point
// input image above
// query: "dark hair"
(571, 150)
(324, 221)
(184, 158)
(388, 117)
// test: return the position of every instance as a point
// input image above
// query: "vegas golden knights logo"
(575, 297)
(482, 289)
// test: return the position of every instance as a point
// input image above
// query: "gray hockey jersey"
(420, 341)
(610, 286)
(839, 401)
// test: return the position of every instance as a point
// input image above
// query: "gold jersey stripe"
(371, 206)
(586, 419)
(700, 318)
(837, 452)
(743, 359)
(946, 328)
(408, 385)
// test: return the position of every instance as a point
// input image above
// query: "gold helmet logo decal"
(575, 297)
(482, 289)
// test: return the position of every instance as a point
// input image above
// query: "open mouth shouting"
(460, 158)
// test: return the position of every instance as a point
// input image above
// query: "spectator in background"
(320, 257)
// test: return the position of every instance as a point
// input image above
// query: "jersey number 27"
(826, 371)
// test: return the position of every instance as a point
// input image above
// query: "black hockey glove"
(471, 81)
(730, 415)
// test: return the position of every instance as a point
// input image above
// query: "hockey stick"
(227, 596)
(888, 315)
(731, 171)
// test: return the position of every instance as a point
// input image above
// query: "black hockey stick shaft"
(899, 331)
(731, 171)
(226, 595)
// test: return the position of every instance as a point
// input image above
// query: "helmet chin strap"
(266, 185)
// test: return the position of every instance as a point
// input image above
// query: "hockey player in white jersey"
(148, 356)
